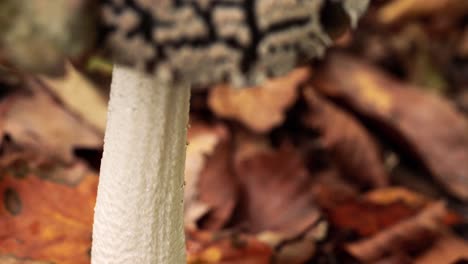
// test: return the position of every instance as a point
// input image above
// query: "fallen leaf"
(351, 147)
(448, 249)
(259, 108)
(424, 125)
(20, 161)
(216, 175)
(395, 259)
(34, 120)
(391, 195)
(42, 220)
(372, 219)
(203, 141)
(276, 199)
(80, 96)
(296, 252)
(377, 210)
(462, 49)
(14, 260)
(409, 236)
(262, 172)
(330, 189)
(205, 248)
(398, 10)
(218, 187)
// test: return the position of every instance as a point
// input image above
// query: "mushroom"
(139, 209)
(163, 48)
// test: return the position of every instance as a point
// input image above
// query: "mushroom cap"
(202, 42)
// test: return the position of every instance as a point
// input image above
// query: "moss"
(9, 10)
(45, 33)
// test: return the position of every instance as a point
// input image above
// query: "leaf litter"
(295, 171)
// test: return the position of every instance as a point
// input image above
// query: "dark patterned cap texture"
(209, 41)
(198, 42)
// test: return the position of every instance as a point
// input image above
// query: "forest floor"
(360, 157)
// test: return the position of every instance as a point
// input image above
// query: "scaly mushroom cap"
(197, 41)
(209, 41)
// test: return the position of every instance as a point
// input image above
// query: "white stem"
(139, 209)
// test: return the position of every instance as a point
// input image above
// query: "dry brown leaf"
(397, 259)
(427, 126)
(276, 200)
(462, 49)
(391, 195)
(80, 96)
(409, 236)
(205, 248)
(21, 161)
(448, 249)
(14, 260)
(330, 189)
(34, 120)
(42, 220)
(276, 194)
(351, 147)
(372, 218)
(377, 210)
(218, 187)
(259, 108)
(203, 140)
(396, 10)
(296, 252)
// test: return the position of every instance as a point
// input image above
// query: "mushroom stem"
(139, 207)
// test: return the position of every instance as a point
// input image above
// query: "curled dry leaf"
(14, 260)
(270, 189)
(216, 186)
(80, 96)
(352, 148)
(448, 249)
(330, 189)
(20, 161)
(203, 140)
(276, 193)
(204, 248)
(377, 210)
(391, 195)
(259, 108)
(372, 219)
(462, 49)
(395, 259)
(409, 236)
(276, 200)
(42, 220)
(396, 10)
(426, 126)
(33, 119)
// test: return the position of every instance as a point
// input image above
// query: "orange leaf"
(203, 248)
(423, 125)
(44, 220)
(259, 108)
